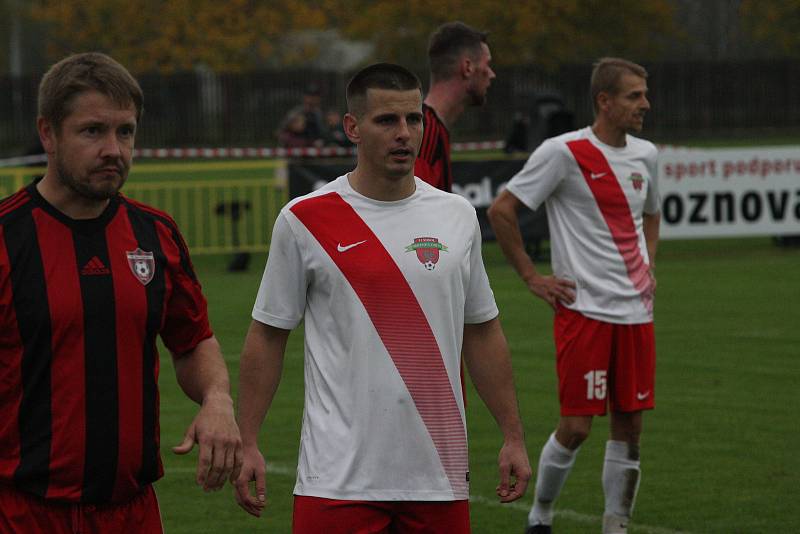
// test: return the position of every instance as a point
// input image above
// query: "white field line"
(572, 515)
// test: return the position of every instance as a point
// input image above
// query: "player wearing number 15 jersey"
(600, 190)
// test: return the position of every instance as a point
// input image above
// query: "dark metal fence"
(689, 99)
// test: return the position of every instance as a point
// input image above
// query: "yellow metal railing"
(215, 215)
(13, 178)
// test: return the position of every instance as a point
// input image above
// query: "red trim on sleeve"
(14, 201)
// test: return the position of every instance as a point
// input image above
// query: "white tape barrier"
(36, 159)
(248, 152)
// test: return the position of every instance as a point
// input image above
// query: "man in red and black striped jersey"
(460, 76)
(88, 279)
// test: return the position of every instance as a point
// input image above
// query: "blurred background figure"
(314, 129)
(336, 135)
(293, 132)
(460, 76)
(517, 138)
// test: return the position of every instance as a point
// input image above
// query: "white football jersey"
(385, 289)
(595, 195)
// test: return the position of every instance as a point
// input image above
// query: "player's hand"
(653, 283)
(515, 471)
(214, 430)
(552, 289)
(253, 470)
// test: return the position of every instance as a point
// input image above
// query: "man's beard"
(84, 189)
(476, 99)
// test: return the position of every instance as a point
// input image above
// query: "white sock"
(621, 476)
(555, 463)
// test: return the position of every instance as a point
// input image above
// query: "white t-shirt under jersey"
(385, 289)
(595, 195)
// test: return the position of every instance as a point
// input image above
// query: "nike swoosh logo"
(643, 396)
(345, 248)
(596, 175)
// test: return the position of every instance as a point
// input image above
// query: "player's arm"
(259, 375)
(488, 361)
(203, 376)
(651, 222)
(503, 216)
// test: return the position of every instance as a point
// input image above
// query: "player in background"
(391, 291)
(460, 75)
(88, 279)
(600, 190)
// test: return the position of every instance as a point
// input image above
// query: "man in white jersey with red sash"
(600, 190)
(386, 271)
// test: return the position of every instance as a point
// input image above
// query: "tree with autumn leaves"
(543, 32)
(238, 35)
(235, 35)
(175, 35)
(775, 23)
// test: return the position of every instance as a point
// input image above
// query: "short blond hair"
(606, 73)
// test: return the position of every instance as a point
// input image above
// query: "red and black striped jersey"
(433, 161)
(81, 305)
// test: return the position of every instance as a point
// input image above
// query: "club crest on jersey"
(142, 264)
(637, 180)
(427, 249)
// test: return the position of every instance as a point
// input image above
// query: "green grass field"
(717, 454)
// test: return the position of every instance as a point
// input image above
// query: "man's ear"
(47, 134)
(602, 101)
(467, 67)
(350, 125)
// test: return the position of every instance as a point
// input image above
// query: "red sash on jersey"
(399, 321)
(616, 211)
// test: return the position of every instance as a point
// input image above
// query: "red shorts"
(313, 515)
(24, 513)
(603, 364)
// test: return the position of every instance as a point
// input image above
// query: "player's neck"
(67, 201)
(378, 187)
(444, 98)
(609, 134)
